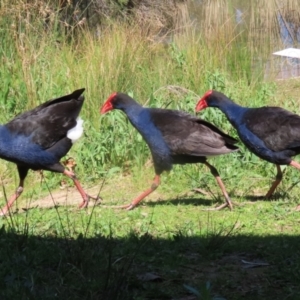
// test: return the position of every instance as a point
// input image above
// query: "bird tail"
(76, 132)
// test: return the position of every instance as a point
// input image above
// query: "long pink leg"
(83, 194)
(215, 173)
(137, 200)
(297, 166)
(13, 198)
(22, 175)
(275, 183)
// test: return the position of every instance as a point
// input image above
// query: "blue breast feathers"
(161, 153)
(20, 149)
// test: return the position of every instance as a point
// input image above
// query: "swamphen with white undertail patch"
(272, 133)
(39, 138)
(174, 137)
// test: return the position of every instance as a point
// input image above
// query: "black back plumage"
(49, 122)
(189, 136)
(277, 127)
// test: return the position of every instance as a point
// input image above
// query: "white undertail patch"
(76, 132)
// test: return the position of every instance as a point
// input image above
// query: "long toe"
(228, 203)
(85, 202)
(218, 207)
(126, 206)
(130, 206)
(224, 205)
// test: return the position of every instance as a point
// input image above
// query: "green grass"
(154, 250)
(167, 242)
(169, 247)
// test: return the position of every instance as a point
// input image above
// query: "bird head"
(202, 103)
(117, 101)
(109, 103)
(211, 99)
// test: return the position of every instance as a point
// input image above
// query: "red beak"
(201, 104)
(107, 106)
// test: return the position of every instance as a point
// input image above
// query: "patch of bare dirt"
(67, 196)
(117, 190)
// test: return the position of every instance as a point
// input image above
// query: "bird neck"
(141, 119)
(133, 110)
(233, 111)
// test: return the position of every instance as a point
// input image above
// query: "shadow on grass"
(145, 267)
(276, 196)
(218, 200)
(209, 202)
(182, 201)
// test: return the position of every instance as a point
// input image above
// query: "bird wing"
(49, 122)
(188, 135)
(277, 127)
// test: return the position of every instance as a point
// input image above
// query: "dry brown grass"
(152, 16)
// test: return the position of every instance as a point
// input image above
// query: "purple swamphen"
(174, 137)
(272, 133)
(39, 138)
